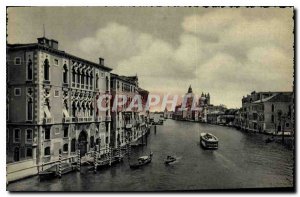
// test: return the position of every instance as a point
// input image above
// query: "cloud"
(227, 52)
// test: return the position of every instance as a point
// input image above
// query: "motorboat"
(170, 159)
(209, 141)
(144, 160)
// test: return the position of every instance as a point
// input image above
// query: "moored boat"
(144, 160)
(209, 141)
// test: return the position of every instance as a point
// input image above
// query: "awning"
(65, 113)
(47, 112)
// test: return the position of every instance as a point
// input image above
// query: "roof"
(56, 51)
(129, 79)
(280, 97)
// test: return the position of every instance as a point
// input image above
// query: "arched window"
(74, 109)
(46, 70)
(273, 107)
(87, 80)
(272, 118)
(73, 145)
(107, 84)
(82, 78)
(47, 151)
(65, 147)
(78, 77)
(91, 110)
(65, 74)
(91, 80)
(29, 109)
(92, 141)
(73, 75)
(97, 80)
(29, 70)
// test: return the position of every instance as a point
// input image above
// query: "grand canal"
(243, 160)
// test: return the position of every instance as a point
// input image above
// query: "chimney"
(48, 43)
(101, 61)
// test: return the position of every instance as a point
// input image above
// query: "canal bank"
(243, 160)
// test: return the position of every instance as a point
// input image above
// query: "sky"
(228, 52)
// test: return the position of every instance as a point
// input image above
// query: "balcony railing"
(74, 119)
(99, 119)
(82, 119)
(65, 85)
(108, 118)
(67, 120)
(47, 121)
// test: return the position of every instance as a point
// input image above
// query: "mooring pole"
(95, 161)
(78, 160)
(59, 164)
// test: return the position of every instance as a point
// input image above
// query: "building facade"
(128, 125)
(52, 103)
(267, 112)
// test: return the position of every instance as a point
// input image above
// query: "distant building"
(204, 102)
(267, 112)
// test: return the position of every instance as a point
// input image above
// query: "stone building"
(127, 125)
(51, 103)
(267, 112)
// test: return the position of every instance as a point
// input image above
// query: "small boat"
(268, 140)
(144, 160)
(52, 172)
(170, 159)
(209, 141)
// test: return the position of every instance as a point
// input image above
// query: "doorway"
(82, 142)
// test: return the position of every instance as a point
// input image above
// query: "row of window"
(125, 87)
(17, 135)
(22, 153)
(65, 149)
(29, 72)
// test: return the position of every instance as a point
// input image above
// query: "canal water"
(243, 160)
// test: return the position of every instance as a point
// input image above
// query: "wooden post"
(107, 156)
(110, 155)
(59, 164)
(78, 160)
(95, 161)
(119, 150)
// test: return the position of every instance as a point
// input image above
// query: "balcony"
(67, 120)
(82, 119)
(74, 119)
(128, 126)
(108, 118)
(47, 121)
(65, 85)
(99, 119)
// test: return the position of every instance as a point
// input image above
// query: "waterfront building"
(238, 119)
(51, 103)
(267, 112)
(128, 125)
